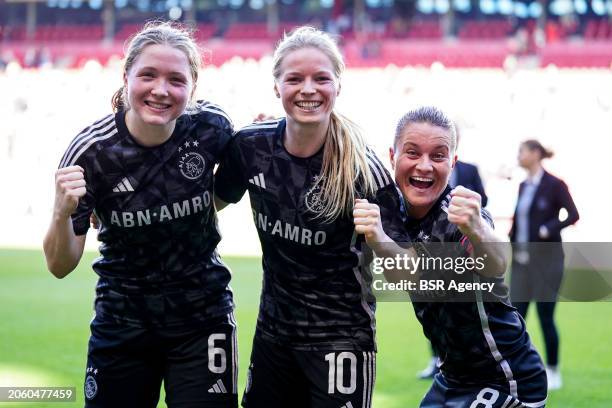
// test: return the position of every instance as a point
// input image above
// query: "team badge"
(91, 387)
(313, 198)
(192, 163)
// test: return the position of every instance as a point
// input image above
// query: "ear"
(454, 162)
(392, 158)
(276, 92)
(125, 79)
(339, 88)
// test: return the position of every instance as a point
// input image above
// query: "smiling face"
(423, 161)
(307, 86)
(159, 85)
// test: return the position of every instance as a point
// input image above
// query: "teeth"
(158, 105)
(423, 179)
(309, 104)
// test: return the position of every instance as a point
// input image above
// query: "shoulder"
(211, 114)
(551, 178)
(259, 132)
(381, 175)
(264, 128)
(89, 139)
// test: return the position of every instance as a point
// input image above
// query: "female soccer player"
(537, 269)
(487, 360)
(163, 305)
(314, 344)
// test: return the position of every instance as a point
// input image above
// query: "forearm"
(386, 248)
(63, 249)
(493, 249)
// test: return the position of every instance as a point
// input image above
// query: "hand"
(366, 217)
(464, 211)
(261, 117)
(69, 188)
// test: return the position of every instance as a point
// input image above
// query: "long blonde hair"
(345, 164)
(159, 33)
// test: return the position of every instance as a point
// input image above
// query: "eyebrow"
(316, 73)
(152, 68)
(412, 144)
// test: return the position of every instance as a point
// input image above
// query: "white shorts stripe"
(234, 354)
(365, 379)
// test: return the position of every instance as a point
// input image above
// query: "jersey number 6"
(213, 352)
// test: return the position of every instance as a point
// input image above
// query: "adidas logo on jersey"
(258, 180)
(218, 388)
(123, 186)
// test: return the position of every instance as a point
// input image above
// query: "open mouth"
(421, 182)
(308, 105)
(157, 106)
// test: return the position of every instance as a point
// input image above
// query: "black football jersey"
(158, 227)
(316, 286)
(479, 336)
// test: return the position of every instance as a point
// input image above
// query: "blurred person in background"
(537, 267)
(163, 307)
(314, 344)
(466, 175)
(487, 358)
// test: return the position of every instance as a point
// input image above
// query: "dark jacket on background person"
(550, 197)
(466, 175)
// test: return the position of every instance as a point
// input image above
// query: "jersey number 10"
(336, 372)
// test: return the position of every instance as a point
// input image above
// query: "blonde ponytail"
(345, 174)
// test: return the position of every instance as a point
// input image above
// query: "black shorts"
(444, 395)
(126, 365)
(283, 377)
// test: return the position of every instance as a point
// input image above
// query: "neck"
(533, 170)
(418, 213)
(145, 134)
(304, 140)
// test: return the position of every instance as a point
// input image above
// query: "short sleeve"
(80, 217)
(230, 183)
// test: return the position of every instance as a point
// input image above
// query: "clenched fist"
(366, 217)
(464, 211)
(69, 188)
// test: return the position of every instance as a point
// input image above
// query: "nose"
(308, 87)
(424, 164)
(160, 88)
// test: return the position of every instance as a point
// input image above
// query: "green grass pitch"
(44, 332)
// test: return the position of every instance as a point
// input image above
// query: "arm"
(230, 181)
(564, 200)
(219, 203)
(464, 211)
(366, 217)
(63, 249)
